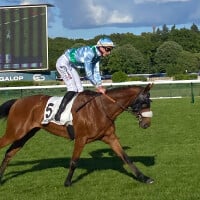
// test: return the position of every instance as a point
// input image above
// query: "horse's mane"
(113, 89)
(121, 88)
(90, 93)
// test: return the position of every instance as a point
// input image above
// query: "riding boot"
(66, 99)
(70, 130)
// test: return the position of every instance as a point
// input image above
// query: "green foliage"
(154, 52)
(194, 28)
(127, 59)
(119, 77)
(27, 83)
(77, 45)
(185, 77)
(189, 61)
(173, 69)
(137, 78)
(167, 54)
(15, 83)
(186, 62)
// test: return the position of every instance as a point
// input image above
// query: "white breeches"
(69, 74)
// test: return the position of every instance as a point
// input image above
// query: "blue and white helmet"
(105, 42)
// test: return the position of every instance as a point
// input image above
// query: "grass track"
(168, 151)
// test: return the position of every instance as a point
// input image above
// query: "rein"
(108, 97)
(81, 106)
(139, 114)
(114, 101)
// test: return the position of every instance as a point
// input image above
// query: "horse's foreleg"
(117, 148)
(78, 148)
(72, 167)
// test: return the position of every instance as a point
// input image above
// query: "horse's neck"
(122, 99)
(124, 96)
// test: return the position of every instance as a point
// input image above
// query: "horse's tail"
(5, 108)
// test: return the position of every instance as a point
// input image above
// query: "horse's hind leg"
(5, 140)
(14, 148)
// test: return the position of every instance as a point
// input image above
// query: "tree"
(145, 53)
(167, 54)
(119, 77)
(194, 28)
(158, 31)
(189, 40)
(173, 27)
(188, 61)
(126, 59)
(77, 45)
(165, 29)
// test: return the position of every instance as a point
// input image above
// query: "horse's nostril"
(144, 125)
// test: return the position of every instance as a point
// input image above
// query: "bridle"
(141, 102)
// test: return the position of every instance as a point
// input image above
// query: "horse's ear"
(147, 88)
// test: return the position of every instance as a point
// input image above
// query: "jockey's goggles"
(108, 49)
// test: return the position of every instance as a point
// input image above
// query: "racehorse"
(93, 114)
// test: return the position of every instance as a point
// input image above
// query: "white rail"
(104, 84)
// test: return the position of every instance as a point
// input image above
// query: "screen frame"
(45, 51)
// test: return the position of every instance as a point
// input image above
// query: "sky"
(88, 18)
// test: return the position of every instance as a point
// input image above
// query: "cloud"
(117, 17)
(27, 2)
(78, 14)
(103, 15)
(89, 14)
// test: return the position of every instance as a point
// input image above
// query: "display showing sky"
(89, 18)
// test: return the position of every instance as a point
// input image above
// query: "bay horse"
(93, 114)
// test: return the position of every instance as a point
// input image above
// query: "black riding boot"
(66, 99)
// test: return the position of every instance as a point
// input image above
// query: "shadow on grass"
(103, 159)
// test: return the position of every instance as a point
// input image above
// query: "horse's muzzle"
(145, 123)
(145, 119)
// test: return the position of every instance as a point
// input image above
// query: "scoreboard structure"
(23, 38)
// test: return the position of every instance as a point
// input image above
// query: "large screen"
(23, 38)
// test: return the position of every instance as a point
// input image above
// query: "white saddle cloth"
(52, 108)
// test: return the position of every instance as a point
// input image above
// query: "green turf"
(168, 152)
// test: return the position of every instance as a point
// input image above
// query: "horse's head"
(141, 107)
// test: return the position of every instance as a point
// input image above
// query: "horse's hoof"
(67, 184)
(145, 179)
(149, 181)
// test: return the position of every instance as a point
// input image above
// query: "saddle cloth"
(51, 109)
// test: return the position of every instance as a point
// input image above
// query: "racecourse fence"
(161, 89)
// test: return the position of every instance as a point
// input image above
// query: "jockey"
(86, 57)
